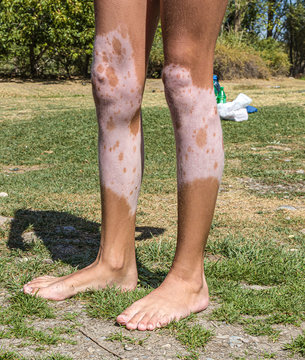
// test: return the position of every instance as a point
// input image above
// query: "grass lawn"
(255, 253)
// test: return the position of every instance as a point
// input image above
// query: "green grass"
(193, 337)
(109, 303)
(64, 146)
(72, 140)
(297, 345)
(11, 355)
(118, 336)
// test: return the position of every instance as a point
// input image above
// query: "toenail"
(150, 327)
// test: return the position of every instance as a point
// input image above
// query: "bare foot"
(94, 277)
(174, 299)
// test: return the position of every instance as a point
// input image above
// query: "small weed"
(227, 313)
(297, 345)
(269, 355)
(126, 339)
(259, 328)
(193, 355)
(193, 337)
(10, 355)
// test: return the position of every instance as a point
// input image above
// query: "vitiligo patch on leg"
(117, 95)
(197, 126)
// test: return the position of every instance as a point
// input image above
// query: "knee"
(115, 84)
(176, 79)
(179, 91)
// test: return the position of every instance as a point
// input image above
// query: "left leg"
(190, 30)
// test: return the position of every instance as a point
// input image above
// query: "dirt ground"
(228, 342)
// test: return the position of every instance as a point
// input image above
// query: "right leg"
(124, 33)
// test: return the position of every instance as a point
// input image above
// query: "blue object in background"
(216, 85)
(251, 109)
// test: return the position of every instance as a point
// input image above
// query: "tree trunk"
(237, 16)
(270, 21)
(32, 60)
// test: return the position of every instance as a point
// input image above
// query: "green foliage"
(274, 55)
(156, 58)
(295, 27)
(55, 38)
(242, 55)
(237, 55)
(38, 37)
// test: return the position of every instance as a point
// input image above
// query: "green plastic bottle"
(221, 98)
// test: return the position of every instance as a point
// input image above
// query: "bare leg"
(124, 33)
(190, 30)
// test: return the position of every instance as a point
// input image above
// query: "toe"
(31, 290)
(165, 320)
(142, 325)
(126, 315)
(154, 322)
(132, 324)
(27, 289)
(43, 278)
(38, 284)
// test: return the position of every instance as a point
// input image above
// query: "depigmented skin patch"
(118, 95)
(196, 124)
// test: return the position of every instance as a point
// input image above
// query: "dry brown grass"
(22, 100)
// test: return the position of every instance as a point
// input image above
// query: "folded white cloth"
(235, 110)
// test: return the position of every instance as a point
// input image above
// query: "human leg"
(124, 32)
(190, 31)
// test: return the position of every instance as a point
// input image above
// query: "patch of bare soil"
(21, 169)
(262, 188)
(228, 341)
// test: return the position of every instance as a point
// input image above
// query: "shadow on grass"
(68, 238)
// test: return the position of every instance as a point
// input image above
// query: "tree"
(41, 32)
(294, 35)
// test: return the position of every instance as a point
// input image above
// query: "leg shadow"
(68, 238)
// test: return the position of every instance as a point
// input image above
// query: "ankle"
(193, 277)
(117, 263)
